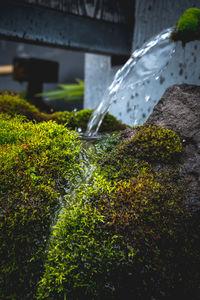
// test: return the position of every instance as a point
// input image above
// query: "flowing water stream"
(145, 63)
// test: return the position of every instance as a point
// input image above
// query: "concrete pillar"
(151, 16)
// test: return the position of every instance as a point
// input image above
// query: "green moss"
(188, 26)
(117, 239)
(134, 156)
(149, 212)
(107, 144)
(35, 162)
(117, 166)
(134, 231)
(125, 231)
(80, 120)
(154, 144)
(14, 105)
(81, 256)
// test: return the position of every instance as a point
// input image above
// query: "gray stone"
(179, 110)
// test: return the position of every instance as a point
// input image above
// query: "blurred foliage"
(68, 92)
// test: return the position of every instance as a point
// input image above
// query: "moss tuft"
(154, 144)
(13, 105)
(79, 119)
(188, 26)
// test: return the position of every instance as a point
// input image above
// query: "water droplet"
(79, 129)
(147, 98)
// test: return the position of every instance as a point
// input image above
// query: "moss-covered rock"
(12, 105)
(142, 210)
(188, 26)
(148, 145)
(124, 232)
(154, 144)
(35, 162)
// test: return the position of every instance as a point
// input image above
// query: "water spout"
(145, 63)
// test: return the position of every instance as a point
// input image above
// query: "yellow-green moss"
(79, 119)
(154, 143)
(188, 26)
(117, 239)
(143, 232)
(14, 105)
(35, 161)
(81, 256)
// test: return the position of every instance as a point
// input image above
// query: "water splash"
(145, 63)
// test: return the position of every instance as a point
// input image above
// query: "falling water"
(145, 63)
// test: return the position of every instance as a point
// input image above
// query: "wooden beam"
(6, 70)
(43, 26)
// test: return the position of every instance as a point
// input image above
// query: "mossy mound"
(13, 105)
(188, 27)
(75, 120)
(154, 144)
(142, 242)
(35, 162)
(79, 120)
(149, 145)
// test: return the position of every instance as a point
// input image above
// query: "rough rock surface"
(179, 110)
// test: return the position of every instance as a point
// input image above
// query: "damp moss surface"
(154, 144)
(188, 27)
(123, 230)
(136, 231)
